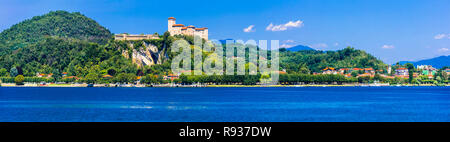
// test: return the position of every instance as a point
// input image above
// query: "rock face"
(145, 56)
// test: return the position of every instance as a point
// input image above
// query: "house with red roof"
(329, 70)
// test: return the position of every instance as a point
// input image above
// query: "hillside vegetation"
(59, 24)
(60, 42)
(314, 61)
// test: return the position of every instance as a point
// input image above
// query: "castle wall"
(176, 29)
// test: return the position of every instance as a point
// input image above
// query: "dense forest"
(306, 61)
(60, 24)
(60, 42)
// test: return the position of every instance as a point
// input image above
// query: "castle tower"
(170, 23)
(205, 33)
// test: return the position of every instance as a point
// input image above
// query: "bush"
(19, 79)
(7, 79)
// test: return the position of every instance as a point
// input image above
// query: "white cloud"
(288, 41)
(249, 29)
(283, 27)
(286, 46)
(336, 44)
(388, 46)
(440, 36)
(443, 50)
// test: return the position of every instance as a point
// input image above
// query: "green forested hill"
(70, 42)
(314, 61)
(59, 24)
(57, 55)
(61, 42)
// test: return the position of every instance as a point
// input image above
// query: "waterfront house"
(401, 72)
(44, 75)
(344, 70)
(369, 70)
(170, 77)
(427, 69)
(329, 70)
(366, 74)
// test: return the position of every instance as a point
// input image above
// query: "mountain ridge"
(437, 62)
(299, 48)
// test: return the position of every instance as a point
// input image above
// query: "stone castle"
(173, 28)
(180, 29)
(125, 36)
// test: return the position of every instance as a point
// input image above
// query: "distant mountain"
(404, 62)
(437, 62)
(60, 24)
(299, 48)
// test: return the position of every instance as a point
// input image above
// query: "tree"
(3, 72)
(411, 75)
(13, 72)
(378, 77)
(112, 72)
(19, 79)
(19, 70)
(415, 81)
(409, 66)
(439, 79)
(56, 74)
(91, 78)
(355, 73)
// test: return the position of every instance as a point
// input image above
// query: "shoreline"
(218, 86)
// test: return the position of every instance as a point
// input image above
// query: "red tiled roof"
(177, 25)
(328, 68)
(171, 18)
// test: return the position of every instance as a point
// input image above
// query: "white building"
(177, 29)
(425, 67)
(402, 71)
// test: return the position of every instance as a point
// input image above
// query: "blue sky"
(391, 30)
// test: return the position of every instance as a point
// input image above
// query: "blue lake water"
(292, 104)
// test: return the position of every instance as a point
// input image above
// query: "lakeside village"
(408, 74)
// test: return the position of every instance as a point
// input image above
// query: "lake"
(261, 104)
